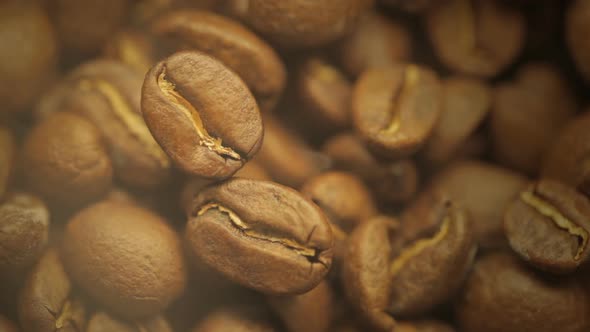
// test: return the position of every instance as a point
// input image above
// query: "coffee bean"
(67, 161)
(202, 114)
(103, 322)
(466, 104)
(231, 43)
(577, 29)
(234, 319)
(377, 41)
(7, 159)
(297, 23)
(548, 225)
(261, 235)
(503, 295)
(24, 233)
(476, 37)
(424, 326)
(312, 311)
(28, 65)
(390, 181)
(125, 257)
(395, 109)
(47, 300)
(567, 160)
(541, 93)
(133, 48)
(485, 191)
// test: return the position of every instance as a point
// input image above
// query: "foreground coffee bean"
(396, 108)
(503, 295)
(28, 65)
(231, 43)
(548, 225)
(299, 23)
(103, 322)
(261, 235)
(24, 233)
(47, 301)
(476, 37)
(234, 319)
(567, 160)
(202, 114)
(577, 29)
(67, 161)
(125, 257)
(7, 159)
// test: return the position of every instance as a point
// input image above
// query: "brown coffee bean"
(396, 108)
(7, 159)
(297, 23)
(84, 26)
(310, 312)
(485, 191)
(476, 37)
(567, 159)
(528, 114)
(202, 114)
(28, 64)
(391, 181)
(466, 103)
(231, 43)
(125, 257)
(377, 41)
(424, 326)
(325, 94)
(7, 326)
(503, 295)
(24, 233)
(133, 48)
(47, 301)
(261, 235)
(344, 198)
(286, 157)
(67, 161)
(548, 225)
(103, 322)
(577, 25)
(231, 319)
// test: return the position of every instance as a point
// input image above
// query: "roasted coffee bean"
(377, 41)
(47, 301)
(528, 114)
(344, 199)
(286, 157)
(310, 312)
(485, 191)
(476, 37)
(125, 257)
(84, 26)
(299, 23)
(7, 159)
(548, 225)
(466, 103)
(503, 295)
(232, 319)
(103, 322)
(577, 29)
(325, 94)
(133, 48)
(567, 159)
(7, 326)
(24, 233)
(395, 109)
(424, 326)
(391, 182)
(67, 161)
(202, 114)
(261, 235)
(231, 43)
(29, 60)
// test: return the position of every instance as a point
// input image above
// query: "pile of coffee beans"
(294, 165)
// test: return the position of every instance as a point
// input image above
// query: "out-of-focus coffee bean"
(133, 48)
(7, 159)
(103, 322)
(577, 25)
